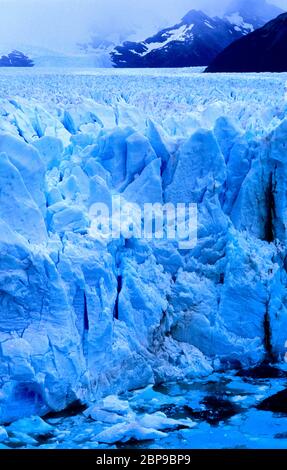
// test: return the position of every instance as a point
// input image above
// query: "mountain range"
(197, 39)
(44, 57)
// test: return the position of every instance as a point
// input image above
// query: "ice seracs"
(82, 318)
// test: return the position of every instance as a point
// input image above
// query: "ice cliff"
(81, 318)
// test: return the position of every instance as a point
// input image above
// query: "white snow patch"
(135, 52)
(238, 21)
(174, 35)
(208, 24)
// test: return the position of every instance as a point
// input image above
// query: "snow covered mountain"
(197, 39)
(264, 50)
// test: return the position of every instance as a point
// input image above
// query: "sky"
(57, 24)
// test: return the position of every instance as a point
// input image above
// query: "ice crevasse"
(81, 318)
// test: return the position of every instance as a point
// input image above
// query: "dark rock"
(263, 371)
(276, 403)
(73, 410)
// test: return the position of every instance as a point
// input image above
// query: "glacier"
(82, 319)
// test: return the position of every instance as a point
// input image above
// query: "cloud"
(62, 23)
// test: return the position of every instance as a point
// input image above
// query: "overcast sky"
(58, 23)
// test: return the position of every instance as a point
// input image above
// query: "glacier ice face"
(82, 318)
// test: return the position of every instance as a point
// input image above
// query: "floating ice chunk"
(103, 416)
(110, 410)
(22, 439)
(113, 404)
(126, 432)
(34, 426)
(160, 422)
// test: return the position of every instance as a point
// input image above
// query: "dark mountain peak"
(281, 19)
(16, 59)
(194, 16)
(273, 28)
(264, 50)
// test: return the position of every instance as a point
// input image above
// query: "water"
(223, 406)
